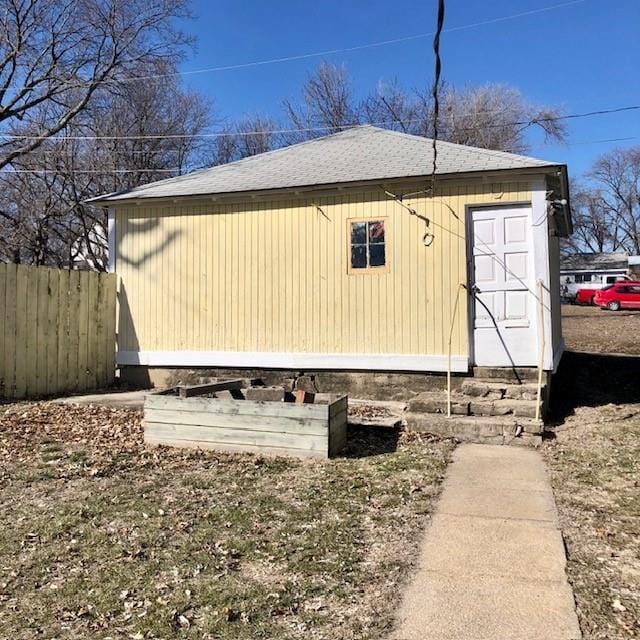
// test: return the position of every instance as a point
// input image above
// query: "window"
(611, 279)
(579, 277)
(587, 277)
(367, 250)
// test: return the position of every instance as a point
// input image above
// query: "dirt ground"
(101, 537)
(593, 454)
(598, 331)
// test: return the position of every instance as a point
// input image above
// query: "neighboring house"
(332, 254)
(591, 271)
(634, 267)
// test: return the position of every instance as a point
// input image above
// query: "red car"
(620, 295)
(586, 295)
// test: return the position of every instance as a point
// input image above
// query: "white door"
(503, 300)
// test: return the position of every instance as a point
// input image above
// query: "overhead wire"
(221, 134)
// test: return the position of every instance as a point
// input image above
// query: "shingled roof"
(595, 262)
(358, 154)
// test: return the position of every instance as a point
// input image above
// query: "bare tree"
(616, 180)
(250, 136)
(327, 105)
(593, 231)
(491, 116)
(129, 135)
(393, 108)
(54, 56)
(495, 116)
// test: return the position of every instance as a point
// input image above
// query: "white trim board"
(111, 240)
(276, 360)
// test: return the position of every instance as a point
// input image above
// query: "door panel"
(504, 304)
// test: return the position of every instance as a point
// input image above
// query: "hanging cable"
(435, 89)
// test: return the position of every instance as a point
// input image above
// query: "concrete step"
(464, 405)
(480, 429)
(497, 390)
(507, 374)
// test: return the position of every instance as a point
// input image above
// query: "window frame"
(383, 269)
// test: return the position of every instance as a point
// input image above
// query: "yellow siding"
(271, 275)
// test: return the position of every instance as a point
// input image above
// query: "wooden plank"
(237, 437)
(110, 313)
(239, 407)
(3, 315)
(189, 391)
(100, 357)
(9, 355)
(73, 362)
(83, 331)
(62, 320)
(270, 424)
(338, 405)
(91, 293)
(22, 322)
(31, 321)
(230, 448)
(52, 332)
(42, 331)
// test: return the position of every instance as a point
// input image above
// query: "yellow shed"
(343, 254)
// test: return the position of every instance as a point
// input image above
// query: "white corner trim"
(111, 240)
(302, 361)
(540, 222)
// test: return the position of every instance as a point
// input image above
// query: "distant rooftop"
(358, 154)
(595, 262)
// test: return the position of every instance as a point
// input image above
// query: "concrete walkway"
(492, 563)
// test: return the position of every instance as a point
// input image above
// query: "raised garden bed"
(227, 416)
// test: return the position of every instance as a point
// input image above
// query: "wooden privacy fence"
(57, 330)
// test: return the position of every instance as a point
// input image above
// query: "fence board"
(9, 353)
(41, 347)
(52, 332)
(21, 340)
(57, 330)
(64, 292)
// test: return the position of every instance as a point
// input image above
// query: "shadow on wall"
(593, 380)
(127, 340)
(137, 228)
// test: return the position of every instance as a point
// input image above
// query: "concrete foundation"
(357, 384)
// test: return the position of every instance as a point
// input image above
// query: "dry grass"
(594, 460)
(102, 538)
(598, 331)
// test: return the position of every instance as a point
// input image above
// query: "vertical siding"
(273, 275)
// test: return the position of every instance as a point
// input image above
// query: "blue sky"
(584, 56)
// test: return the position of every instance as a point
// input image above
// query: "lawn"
(594, 461)
(102, 538)
(598, 331)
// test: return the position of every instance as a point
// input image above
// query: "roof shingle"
(357, 154)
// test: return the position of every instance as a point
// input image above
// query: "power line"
(328, 52)
(500, 125)
(177, 170)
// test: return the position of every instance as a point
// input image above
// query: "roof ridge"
(491, 152)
